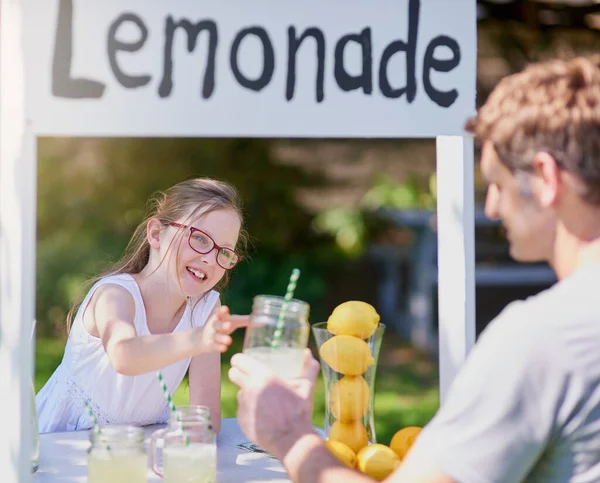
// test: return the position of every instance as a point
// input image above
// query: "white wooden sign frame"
(44, 81)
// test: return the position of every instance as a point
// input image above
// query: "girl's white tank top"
(86, 374)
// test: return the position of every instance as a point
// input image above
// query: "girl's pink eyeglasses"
(203, 243)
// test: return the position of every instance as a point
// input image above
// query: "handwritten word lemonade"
(117, 455)
(278, 333)
(196, 463)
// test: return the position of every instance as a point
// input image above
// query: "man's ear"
(153, 233)
(547, 179)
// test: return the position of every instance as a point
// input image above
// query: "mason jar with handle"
(186, 450)
(278, 333)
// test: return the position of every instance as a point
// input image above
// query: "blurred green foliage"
(92, 194)
(354, 227)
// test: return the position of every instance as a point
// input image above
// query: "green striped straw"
(94, 420)
(289, 293)
(170, 403)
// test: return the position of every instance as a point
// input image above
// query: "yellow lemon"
(349, 398)
(404, 439)
(347, 355)
(377, 461)
(342, 452)
(354, 435)
(356, 318)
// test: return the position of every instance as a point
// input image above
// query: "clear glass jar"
(278, 333)
(117, 455)
(186, 450)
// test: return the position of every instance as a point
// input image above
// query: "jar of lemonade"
(117, 455)
(278, 333)
(186, 450)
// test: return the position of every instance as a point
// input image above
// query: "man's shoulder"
(520, 325)
(548, 320)
(566, 296)
(530, 325)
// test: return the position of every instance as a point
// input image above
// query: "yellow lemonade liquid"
(196, 463)
(119, 468)
(285, 361)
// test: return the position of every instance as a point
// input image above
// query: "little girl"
(154, 310)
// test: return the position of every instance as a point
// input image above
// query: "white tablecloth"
(63, 458)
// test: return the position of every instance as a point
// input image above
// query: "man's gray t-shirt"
(526, 404)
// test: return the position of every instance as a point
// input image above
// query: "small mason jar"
(186, 450)
(278, 334)
(117, 455)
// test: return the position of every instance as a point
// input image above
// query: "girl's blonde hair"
(195, 195)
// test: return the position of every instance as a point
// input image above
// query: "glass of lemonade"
(178, 460)
(117, 455)
(278, 333)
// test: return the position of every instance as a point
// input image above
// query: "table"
(63, 458)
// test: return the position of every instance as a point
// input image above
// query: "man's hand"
(273, 413)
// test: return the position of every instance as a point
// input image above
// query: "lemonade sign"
(203, 68)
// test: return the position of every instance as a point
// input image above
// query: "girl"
(154, 310)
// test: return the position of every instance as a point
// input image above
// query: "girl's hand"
(215, 334)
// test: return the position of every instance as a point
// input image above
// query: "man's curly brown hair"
(551, 107)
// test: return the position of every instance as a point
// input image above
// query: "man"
(526, 403)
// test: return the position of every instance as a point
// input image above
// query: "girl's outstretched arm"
(112, 311)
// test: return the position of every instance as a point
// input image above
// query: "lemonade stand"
(258, 68)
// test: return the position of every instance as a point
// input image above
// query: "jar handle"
(155, 451)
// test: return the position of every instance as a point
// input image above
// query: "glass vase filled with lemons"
(348, 345)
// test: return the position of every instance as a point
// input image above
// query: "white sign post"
(17, 249)
(456, 254)
(258, 68)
